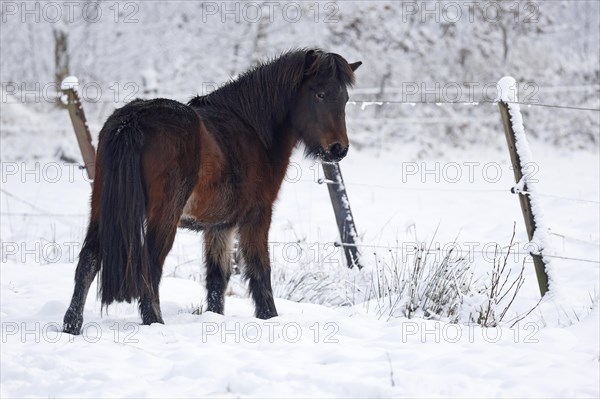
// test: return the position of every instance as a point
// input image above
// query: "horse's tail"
(124, 266)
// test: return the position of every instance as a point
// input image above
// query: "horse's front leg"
(254, 235)
(87, 268)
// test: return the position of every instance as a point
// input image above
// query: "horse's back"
(153, 116)
(167, 134)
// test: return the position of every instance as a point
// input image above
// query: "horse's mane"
(262, 96)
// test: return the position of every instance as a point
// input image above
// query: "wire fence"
(439, 103)
(49, 97)
(42, 213)
(60, 129)
(380, 103)
(436, 189)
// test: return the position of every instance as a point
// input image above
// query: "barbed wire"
(435, 251)
(558, 197)
(438, 103)
(483, 190)
(566, 236)
(550, 89)
(32, 206)
(373, 102)
(439, 250)
(392, 248)
(52, 215)
(553, 106)
(41, 211)
(334, 243)
(44, 213)
(51, 95)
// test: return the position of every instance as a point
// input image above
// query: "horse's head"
(319, 116)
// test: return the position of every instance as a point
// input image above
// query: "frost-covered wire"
(559, 197)
(438, 103)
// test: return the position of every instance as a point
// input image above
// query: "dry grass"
(427, 284)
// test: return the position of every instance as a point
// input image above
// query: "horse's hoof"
(149, 322)
(72, 323)
(215, 303)
(215, 309)
(151, 319)
(266, 314)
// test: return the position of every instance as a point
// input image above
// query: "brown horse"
(214, 165)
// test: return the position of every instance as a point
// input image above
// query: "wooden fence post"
(343, 214)
(518, 166)
(82, 131)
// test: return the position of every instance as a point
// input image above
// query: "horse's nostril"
(336, 149)
(344, 152)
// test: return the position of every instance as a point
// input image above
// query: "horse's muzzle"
(335, 153)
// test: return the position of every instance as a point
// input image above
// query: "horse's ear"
(310, 57)
(354, 66)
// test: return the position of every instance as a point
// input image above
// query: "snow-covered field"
(311, 349)
(435, 176)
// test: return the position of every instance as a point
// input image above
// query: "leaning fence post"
(343, 214)
(520, 156)
(82, 132)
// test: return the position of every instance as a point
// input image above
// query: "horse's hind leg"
(218, 247)
(168, 190)
(87, 268)
(159, 240)
(89, 263)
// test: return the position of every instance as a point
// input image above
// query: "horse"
(215, 165)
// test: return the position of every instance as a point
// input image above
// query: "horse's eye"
(321, 95)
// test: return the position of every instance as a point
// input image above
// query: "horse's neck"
(284, 141)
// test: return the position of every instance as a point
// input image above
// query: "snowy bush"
(500, 291)
(426, 284)
(330, 284)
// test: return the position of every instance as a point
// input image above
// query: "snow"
(150, 81)
(308, 350)
(507, 89)
(70, 82)
(366, 104)
(435, 174)
(508, 93)
(550, 353)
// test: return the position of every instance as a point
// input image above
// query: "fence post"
(343, 214)
(82, 132)
(509, 110)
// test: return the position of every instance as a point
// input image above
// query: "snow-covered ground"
(310, 349)
(435, 173)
